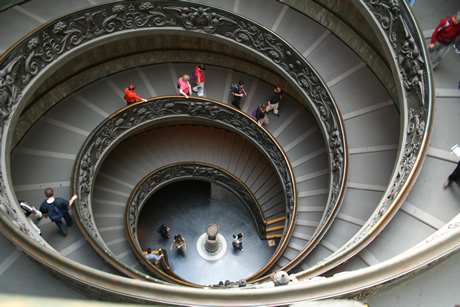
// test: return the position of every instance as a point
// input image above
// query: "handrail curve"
(359, 284)
(136, 117)
(396, 25)
(42, 49)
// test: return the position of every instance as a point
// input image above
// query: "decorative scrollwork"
(128, 17)
(88, 21)
(200, 18)
(136, 116)
(265, 43)
(414, 77)
(26, 61)
(412, 67)
(10, 89)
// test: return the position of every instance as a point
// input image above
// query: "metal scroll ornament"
(23, 65)
(411, 62)
(129, 120)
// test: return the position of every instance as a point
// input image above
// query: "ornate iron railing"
(24, 63)
(397, 27)
(131, 119)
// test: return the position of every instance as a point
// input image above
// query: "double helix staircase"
(45, 154)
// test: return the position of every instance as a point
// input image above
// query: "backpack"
(234, 88)
(254, 113)
(193, 76)
(54, 213)
(445, 25)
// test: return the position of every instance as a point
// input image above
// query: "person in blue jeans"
(62, 205)
(180, 243)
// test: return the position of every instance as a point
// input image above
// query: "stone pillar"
(212, 238)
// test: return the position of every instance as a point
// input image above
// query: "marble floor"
(186, 208)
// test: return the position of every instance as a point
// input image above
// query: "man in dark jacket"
(238, 92)
(56, 204)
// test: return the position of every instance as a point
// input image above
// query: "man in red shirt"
(199, 79)
(131, 96)
(443, 36)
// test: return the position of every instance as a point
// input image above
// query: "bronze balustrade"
(392, 20)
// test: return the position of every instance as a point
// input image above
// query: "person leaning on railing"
(152, 257)
(131, 96)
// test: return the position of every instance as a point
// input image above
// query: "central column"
(211, 245)
(212, 238)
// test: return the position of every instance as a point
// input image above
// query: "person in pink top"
(443, 36)
(184, 86)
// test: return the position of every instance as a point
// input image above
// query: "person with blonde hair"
(184, 86)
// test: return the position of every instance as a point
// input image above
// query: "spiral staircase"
(352, 231)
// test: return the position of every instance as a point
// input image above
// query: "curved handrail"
(30, 58)
(412, 159)
(135, 117)
(100, 284)
(414, 140)
(168, 275)
(396, 25)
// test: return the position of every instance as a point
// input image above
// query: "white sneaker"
(457, 49)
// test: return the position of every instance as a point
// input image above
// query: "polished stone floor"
(186, 208)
